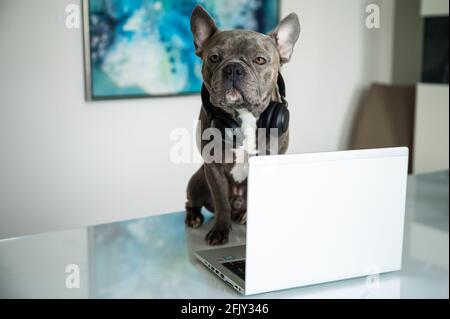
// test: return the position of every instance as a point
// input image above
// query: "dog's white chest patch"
(239, 172)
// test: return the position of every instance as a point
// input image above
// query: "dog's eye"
(260, 61)
(214, 58)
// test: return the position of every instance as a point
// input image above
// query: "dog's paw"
(217, 237)
(194, 220)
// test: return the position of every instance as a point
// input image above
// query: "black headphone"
(275, 116)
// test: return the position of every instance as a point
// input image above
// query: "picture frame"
(139, 49)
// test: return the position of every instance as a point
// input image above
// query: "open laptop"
(314, 218)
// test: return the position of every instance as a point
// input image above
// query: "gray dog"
(240, 72)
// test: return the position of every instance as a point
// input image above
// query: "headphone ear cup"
(265, 119)
(281, 119)
(276, 116)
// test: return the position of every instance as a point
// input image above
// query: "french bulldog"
(240, 72)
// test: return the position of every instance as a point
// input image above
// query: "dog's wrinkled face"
(240, 67)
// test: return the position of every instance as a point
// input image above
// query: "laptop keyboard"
(236, 267)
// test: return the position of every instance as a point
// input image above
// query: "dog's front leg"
(219, 188)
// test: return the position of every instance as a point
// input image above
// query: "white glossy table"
(152, 258)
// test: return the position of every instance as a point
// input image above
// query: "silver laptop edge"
(214, 259)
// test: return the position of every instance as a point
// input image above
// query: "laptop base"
(226, 263)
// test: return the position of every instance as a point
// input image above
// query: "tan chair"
(385, 118)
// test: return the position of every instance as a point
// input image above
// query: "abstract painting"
(141, 48)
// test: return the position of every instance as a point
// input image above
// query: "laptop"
(316, 218)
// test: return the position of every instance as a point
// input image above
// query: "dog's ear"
(285, 36)
(203, 27)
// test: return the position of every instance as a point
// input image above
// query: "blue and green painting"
(145, 47)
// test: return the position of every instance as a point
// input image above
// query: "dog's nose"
(234, 71)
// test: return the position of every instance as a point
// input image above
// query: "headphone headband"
(281, 86)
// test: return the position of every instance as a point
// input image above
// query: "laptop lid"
(314, 218)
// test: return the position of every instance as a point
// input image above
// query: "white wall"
(431, 140)
(66, 163)
(434, 7)
(336, 59)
